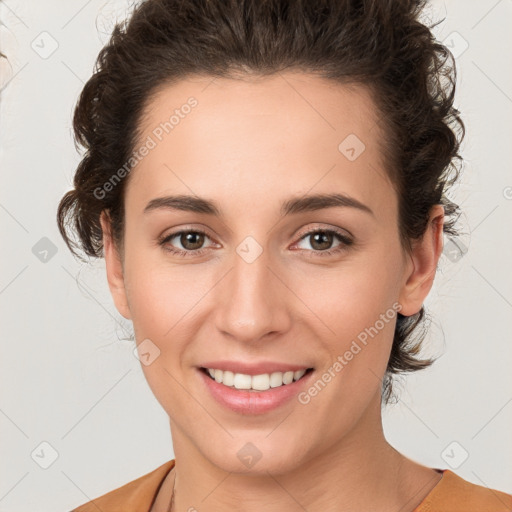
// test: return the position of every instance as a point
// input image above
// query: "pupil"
(327, 240)
(188, 238)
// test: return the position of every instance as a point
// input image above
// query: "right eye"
(191, 241)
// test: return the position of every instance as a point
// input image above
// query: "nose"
(253, 302)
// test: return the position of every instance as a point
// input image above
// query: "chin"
(258, 454)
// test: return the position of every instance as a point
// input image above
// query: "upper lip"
(254, 368)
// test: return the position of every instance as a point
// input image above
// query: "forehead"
(287, 133)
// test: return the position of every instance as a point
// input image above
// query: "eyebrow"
(291, 206)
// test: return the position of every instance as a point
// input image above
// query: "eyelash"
(346, 243)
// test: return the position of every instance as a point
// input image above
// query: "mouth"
(255, 383)
(255, 387)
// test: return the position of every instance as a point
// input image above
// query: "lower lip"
(253, 402)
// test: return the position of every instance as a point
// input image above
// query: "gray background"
(69, 383)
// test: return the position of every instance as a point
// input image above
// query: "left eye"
(322, 239)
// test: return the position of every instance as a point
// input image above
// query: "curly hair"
(378, 44)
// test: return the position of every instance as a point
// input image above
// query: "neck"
(337, 478)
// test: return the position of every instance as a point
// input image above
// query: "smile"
(261, 382)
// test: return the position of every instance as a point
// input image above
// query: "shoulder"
(454, 494)
(138, 494)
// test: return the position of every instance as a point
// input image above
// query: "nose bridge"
(253, 306)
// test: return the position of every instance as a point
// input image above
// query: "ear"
(423, 264)
(115, 275)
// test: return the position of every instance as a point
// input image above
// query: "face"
(252, 274)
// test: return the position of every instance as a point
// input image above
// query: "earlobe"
(423, 260)
(114, 267)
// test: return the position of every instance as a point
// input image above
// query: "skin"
(249, 145)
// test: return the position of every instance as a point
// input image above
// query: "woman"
(267, 180)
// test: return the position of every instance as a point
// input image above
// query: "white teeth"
(287, 377)
(228, 378)
(240, 381)
(276, 379)
(256, 382)
(260, 382)
(298, 374)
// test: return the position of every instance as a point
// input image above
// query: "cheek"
(162, 303)
(356, 307)
(150, 300)
(164, 298)
(352, 297)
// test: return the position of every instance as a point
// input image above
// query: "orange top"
(451, 494)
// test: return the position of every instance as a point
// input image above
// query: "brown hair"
(379, 44)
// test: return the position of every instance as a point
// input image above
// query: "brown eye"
(321, 240)
(185, 243)
(191, 240)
